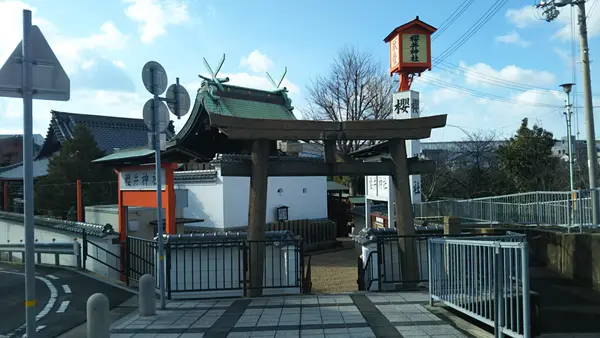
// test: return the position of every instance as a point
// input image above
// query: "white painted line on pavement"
(52, 277)
(37, 329)
(63, 306)
(66, 288)
(47, 307)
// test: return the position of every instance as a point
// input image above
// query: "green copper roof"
(245, 102)
(130, 153)
(231, 101)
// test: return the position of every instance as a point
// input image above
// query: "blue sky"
(103, 45)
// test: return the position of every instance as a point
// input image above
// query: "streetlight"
(567, 88)
(551, 12)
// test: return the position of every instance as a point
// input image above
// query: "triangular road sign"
(50, 82)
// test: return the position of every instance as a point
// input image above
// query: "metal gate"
(140, 258)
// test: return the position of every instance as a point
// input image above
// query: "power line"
(471, 31)
(453, 17)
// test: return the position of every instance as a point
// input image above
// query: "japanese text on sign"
(414, 48)
(139, 180)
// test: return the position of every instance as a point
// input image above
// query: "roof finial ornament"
(213, 75)
(277, 84)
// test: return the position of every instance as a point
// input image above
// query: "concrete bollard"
(147, 296)
(98, 322)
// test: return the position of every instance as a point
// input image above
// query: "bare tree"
(356, 88)
(465, 169)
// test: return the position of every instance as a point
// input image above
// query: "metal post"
(157, 160)
(568, 114)
(525, 288)
(28, 178)
(588, 110)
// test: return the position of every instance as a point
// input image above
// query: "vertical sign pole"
(161, 249)
(177, 98)
(28, 178)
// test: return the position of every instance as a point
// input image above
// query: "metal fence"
(204, 264)
(565, 208)
(393, 252)
(487, 280)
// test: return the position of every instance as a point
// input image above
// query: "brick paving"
(348, 315)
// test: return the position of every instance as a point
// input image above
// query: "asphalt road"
(61, 297)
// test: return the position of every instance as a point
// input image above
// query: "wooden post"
(451, 226)
(5, 208)
(330, 151)
(257, 216)
(79, 202)
(404, 214)
(169, 202)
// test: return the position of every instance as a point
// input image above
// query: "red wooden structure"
(410, 51)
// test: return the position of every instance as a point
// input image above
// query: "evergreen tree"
(56, 193)
(528, 162)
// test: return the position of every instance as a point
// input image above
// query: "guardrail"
(487, 280)
(562, 208)
(56, 249)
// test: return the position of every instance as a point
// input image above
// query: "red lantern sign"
(410, 50)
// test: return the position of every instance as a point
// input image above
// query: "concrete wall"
(574, 256)
(13, 232)
(205, 201)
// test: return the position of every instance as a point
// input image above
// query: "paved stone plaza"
(356, 315)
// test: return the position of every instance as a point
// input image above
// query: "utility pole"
(551, 13)
(567, 88)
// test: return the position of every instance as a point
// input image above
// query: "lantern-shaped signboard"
(410, 50)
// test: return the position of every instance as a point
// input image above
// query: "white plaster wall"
(13, 232)
(205, 201)
(306, 198)
(108, 214)
(209, 268)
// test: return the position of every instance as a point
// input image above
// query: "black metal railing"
(140, 258)
(95, 254)
(204, 264)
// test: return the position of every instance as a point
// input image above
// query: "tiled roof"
(231, 101)
(195, 175)
(245, 102)
(15, 171)
(63, 226)
(110, 132)
(226, 237)
(238, 158)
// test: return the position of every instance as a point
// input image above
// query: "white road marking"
(66, 288)
(63, 306)
(47, 307)
(52, 277)
(37, 329)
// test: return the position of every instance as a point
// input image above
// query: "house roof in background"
(109, 132)
(15, 172)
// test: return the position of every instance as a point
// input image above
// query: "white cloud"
(11, 23)
(513, 38)
(523, 17)
(564, 21)
(154, 16)
(484, 75)
(474, 105)
(119, 64)
(69, 50)
(109, 103)
(256, 62)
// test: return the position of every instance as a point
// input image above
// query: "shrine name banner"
(406, 106)
(140, 179)
(378, 188)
